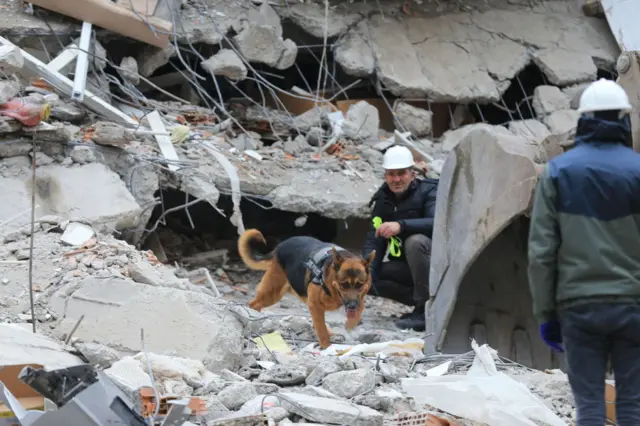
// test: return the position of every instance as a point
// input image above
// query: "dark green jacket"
(584, 240)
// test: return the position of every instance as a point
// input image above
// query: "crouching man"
(584, 256)
(401, 228)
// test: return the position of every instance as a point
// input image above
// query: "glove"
(552, 335)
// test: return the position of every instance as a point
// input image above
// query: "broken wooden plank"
(103, 13)
(164, 141)
(34, 68)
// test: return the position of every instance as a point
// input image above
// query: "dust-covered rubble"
(109, 301)
(294, 386)
(98, 178)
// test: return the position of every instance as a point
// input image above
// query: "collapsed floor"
(240, 139)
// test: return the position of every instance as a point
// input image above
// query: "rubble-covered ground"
(207, 346)
(138, 203)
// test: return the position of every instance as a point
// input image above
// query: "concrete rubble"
(138, 185)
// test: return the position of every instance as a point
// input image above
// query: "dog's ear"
(369, 259)
(337, 258)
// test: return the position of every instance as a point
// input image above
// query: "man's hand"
(388, 230)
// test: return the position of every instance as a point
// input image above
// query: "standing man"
(401, 228)
(584, 256)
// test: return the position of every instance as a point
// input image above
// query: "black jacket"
(414, 211)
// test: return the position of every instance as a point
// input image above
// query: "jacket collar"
(599, 131)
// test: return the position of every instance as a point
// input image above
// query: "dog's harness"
(315, 266)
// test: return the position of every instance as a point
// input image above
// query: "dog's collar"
(315, 264)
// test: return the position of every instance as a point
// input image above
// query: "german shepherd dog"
(320, 274)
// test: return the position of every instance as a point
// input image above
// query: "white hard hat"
(604, 95)
(397, 157)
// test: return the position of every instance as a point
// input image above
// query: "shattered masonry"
(139, 185)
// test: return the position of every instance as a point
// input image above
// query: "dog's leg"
(271, 288)
(320, 326)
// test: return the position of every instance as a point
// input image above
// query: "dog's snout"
(351, 305)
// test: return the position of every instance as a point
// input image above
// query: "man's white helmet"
(397, 157)
(604, 95)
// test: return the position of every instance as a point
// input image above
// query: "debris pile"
(113, 129)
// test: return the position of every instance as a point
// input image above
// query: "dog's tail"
(253, 250)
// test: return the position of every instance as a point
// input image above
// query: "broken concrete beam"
(21, 346)
(289, 55)
(261, 43)
(462, 58)
(574, 93)
(129, 70)
(451, 138)
(226, 63)
(415, 120)
(90, 193)
(354, 54)
(532, 130)
(65, 111)
(151, 58)
(266, 15)
(548, 99)
(11, 58)
(110, 134)
(563, 67)
(331, 411)
(194, 326)
(562, 121)
(347, 384)
(311, 18)
(362, 121)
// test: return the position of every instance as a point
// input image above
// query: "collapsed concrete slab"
(311, 18)
(418, 121)
(263, 44)
(305, 187)
(190, 324)
(574, 92)
(548, 99)
(354, 53)
(328, 410)
(451, 138)
(21, 346)
(477, 229)
(90, 192)
(532, 130)
(565, 67)
(226, 63)
(470, 57)
(562, 121)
